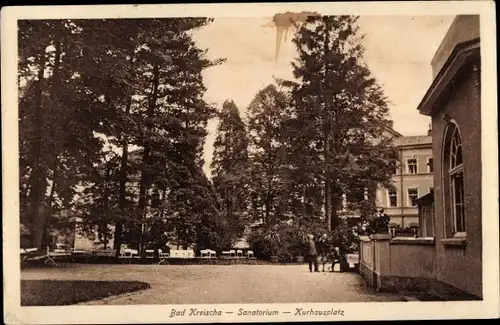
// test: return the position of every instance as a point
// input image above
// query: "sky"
(398, 50)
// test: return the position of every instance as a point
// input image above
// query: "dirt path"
(202, 284)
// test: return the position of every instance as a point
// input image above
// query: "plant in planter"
(300, 240)
(273, 243)
(380, 224)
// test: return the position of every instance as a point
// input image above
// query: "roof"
(459, 49)
(425, 199)
(393, 132)
(463, 28)
(413, 140)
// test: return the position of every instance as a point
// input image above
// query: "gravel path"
(202, 284)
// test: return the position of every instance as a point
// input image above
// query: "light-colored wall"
(382, 261)
(366, 252)
(422, 181)
(413, 260)
(399, 257)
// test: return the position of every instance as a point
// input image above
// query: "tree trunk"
(38, 175)
(178, 239)
(162, 209)
(326, 125)
(49, 211)
(53, 95)
(104, 222)
(145, 177)
(117, 242)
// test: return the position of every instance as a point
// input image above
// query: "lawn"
(58, 293)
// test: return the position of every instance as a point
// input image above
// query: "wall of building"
(399, 265)
(426, 220)
(461, 266)
(404, 214)
(405, 265)
(412, 258)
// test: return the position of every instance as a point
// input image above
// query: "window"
(393, 198)
(430, 165)
(454, 182)
(412, 166)
(457, 182)
(412, 196)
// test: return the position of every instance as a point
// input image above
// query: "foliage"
(230, 170)
(127, 88)
(345, 238)
(339, 114)
(272, 239)
(268, 179)
(380, 224)
(283, 240)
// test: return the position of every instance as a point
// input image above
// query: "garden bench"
(32, 254)
(163, 257)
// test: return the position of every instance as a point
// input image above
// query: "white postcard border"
(14, 313)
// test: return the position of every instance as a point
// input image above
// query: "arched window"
(455, 179)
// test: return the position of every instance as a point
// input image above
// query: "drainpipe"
(401, 169)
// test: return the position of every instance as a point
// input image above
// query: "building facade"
(454, 103)
(446, 260)
(412, 179)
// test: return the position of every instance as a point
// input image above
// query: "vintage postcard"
(264, 162)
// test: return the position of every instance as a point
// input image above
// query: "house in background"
(412, 178)
(447, 260)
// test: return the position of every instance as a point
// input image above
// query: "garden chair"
(239, 253)
(213, 257)
(150, 253)
(232, 253)
(49, 257)
(163, 257)
(32, 254)
(129, 254)
(27, 253)
(205, 255)
(251, 257)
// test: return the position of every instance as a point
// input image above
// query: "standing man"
(322, 250)
(312, 254)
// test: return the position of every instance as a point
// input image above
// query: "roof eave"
(415, 145)
(458, 58)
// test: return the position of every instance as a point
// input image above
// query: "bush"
(283, 240)
(58, 293)
(345, 238)
(284, 255)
